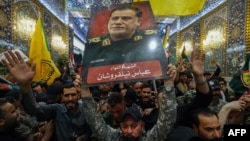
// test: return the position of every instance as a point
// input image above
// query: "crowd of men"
(125, 111)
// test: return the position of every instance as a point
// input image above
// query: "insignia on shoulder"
(149, 32)
(137, 38)
(95, 40)
(106, 42)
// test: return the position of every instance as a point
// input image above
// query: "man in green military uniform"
(144, 45)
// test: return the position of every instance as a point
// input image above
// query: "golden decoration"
(2, 34)
(3, 3)
(137, 38)
(235, 33)
(4, 19)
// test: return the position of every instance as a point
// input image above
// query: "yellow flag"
(139, 0)
(39, 53)
(165, 39)
(176, 7)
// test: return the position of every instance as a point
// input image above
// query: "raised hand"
(197, 65)
(85, 92)
(238, 105)
(20, 71)
(171, 72)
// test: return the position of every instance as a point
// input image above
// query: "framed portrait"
(123, 46)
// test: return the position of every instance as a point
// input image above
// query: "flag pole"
(155, 89)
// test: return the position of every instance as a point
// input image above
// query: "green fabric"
(236, 83)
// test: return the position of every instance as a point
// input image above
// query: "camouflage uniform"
(189, 96)
(218, 106)
(110, 120)
(166, 120)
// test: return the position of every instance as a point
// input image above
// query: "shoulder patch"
(106, 42)
(137, 38)
(149, 32)
(95, 40)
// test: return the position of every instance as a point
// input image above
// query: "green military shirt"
(103, 51)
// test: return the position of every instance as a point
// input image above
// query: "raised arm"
(218, 69)
(179, 69)
(167, 113)
(23, 74)
(197, 67)
(19, 70)
(93, 116)
(237, 106)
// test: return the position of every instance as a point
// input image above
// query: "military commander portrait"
(124, 42)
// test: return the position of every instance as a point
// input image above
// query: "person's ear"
(2, 121)
(139, 21)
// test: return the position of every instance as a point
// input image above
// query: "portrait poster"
(123, 46)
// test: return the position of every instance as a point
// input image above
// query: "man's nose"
(70, 97)
(129, 130)
(217, 134)
(116, 115)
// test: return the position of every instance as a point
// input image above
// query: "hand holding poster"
(129, 49)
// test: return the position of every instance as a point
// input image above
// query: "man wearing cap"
(216, 103)
(132, 126)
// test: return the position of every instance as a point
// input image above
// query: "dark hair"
(138, 12)
(115, 98)
(145, 85)
(43, 84)
(202, 111)
(206, 73)
(222, 79)
(3, 101)
(68, 85)
(183, 73)
(13, 95)
(133, 83)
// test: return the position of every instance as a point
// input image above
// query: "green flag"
(241, 79)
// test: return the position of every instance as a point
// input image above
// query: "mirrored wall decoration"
(47, 23)
(25, 15)
(5, 26)
(236, 41)
(58, 45)
(172, 44)
(214, 30)
(189, 38)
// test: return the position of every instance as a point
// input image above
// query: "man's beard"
(130, 138)
(105, 92)
(217, 139)
(198, 138)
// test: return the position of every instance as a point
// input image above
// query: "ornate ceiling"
(76, 14)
